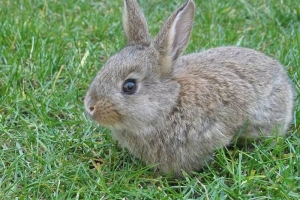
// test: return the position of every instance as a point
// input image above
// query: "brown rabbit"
(174, 110)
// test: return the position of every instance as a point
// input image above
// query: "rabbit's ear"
(135, 24)
(173, 37)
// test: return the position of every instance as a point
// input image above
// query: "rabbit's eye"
(129, 86)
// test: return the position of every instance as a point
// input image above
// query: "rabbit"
(172, 110)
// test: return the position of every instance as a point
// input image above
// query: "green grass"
(49, 53)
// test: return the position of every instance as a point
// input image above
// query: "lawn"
(50, 51)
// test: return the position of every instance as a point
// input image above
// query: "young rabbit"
(174, 110)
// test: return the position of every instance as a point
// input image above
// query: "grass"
(49, 53)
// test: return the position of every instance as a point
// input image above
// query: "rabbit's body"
(182, 108)
(218, 93)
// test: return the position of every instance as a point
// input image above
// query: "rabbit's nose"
(102, 110)
(89, 105)
(92, 108)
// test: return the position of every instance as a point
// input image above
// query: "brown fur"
(185, 107)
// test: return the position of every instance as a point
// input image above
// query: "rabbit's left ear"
(173, 37)
(135, 24)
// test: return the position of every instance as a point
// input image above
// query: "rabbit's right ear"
(173, 37)
(135, 24)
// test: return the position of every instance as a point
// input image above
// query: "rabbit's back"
(238, 85)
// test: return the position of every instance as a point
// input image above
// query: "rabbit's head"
(135, 89)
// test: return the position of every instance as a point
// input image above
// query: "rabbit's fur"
(185, 107)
